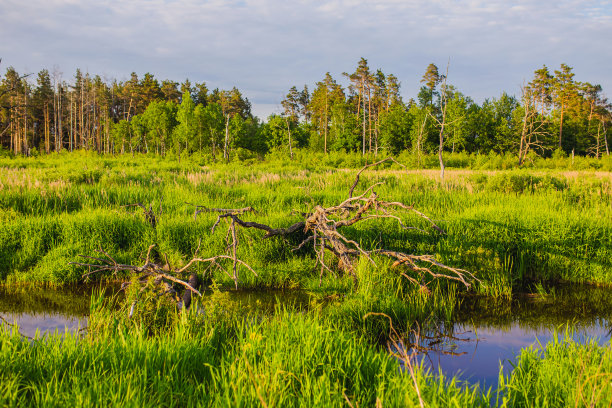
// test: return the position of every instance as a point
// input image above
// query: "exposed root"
(163, 277)
(322, 229)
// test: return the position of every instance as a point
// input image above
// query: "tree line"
(48, 114)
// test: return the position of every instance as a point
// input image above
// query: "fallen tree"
(320, 228)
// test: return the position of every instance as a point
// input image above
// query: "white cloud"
(266, 46)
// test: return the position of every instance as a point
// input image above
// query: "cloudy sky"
(265, 46)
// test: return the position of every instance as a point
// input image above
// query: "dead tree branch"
(367, 166)
(322, 229)
(163, 276)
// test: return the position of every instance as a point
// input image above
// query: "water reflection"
(47, 310)
(484, 336)
(66, 308)
(488, 334)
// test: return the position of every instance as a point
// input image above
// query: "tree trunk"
(605, 136)
(370, 118)
(376, 125)
(289, 133)
(523, 146)
(561, 124)
(325, 124)
(55, 119)
(25, 121)
(72, 123)
(59, 119)
(212, 142)
(441, 147)
(362, 97)
(440, 150)
(82, 121)
(226, 143)
(46, 119)
(597, 149)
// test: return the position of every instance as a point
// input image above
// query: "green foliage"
(288, 360)
(395, 126)
(510, 227)
(562, 373)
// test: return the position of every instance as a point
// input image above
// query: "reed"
(550, 222)
(562, 373)
(291, 359)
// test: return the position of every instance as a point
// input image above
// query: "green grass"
(511, 227)
(291, 359)
(564, 373)
(515, 229)
(229, 357)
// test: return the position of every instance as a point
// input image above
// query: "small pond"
(48, 310)
(485, 334)
(488, 334)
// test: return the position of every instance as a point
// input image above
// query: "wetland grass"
(562, 373)
(229, 357)
(514, 229)
(510, 227)
(291, 359)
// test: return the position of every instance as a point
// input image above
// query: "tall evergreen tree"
(564, 89)
(361, 80)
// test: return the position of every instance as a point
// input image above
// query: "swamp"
(321, 280)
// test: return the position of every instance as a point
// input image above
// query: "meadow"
(515, 229)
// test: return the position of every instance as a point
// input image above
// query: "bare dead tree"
(533, 125)
(322, 226)
(160, 275)
(442, 121)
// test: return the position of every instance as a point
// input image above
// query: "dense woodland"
(48, 113)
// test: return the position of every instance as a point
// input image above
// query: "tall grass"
(564, 373)
(224, 357)
(292, 359)
(511, 227)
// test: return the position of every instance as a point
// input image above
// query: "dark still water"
(47, 310)
(484, 336)
(487, 335)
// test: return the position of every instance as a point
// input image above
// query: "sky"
(264, 47)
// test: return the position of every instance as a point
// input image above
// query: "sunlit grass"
(511, 227)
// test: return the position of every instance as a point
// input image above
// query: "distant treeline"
(49, 114)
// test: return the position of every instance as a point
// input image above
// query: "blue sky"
(265, 46)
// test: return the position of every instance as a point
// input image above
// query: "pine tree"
(564, 89)
(361, 80)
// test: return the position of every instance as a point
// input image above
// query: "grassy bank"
(515, 229)
(290, 359)
(509, 226)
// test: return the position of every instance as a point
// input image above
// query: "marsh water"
(485, 335)
(46, 309)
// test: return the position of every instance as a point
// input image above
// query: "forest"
(48, 113)
(162, 246)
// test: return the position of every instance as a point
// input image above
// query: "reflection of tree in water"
(69, 301)
(434, 341)
(577, 308)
